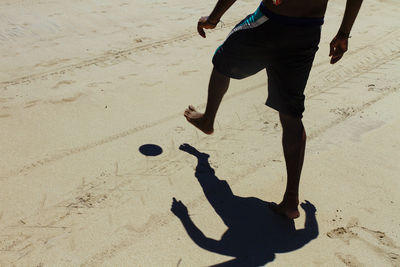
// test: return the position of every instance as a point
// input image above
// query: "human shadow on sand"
(255, 232)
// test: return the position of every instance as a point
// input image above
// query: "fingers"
(305, 203)
(175, 205)
(337, 54)
(335, 59)
(307, 206)
(201, 31)
(204, 23)
(176, 202)
(201, 25)
(183, 146)
(337, 49)
(332, 48)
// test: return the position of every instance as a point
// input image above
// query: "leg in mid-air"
(217, 87)
(294, 143)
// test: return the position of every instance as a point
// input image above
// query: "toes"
(191, 108)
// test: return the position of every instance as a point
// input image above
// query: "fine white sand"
(83, 84)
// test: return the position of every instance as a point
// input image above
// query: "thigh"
(243, 52)
(288, 74)
(287, 79)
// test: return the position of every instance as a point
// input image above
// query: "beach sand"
(83, 85)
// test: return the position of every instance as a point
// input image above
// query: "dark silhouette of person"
(255, 232)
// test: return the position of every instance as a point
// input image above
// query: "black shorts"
(284, 46)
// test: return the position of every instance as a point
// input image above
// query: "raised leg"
(294, 143)
(217, 88)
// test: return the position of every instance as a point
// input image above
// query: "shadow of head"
(255, 232)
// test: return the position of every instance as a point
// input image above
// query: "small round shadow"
(150, 150)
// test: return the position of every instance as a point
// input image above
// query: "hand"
(205, 23)
(308, 207)
(338, 47)
(178, 208)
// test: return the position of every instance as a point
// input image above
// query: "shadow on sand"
(255, 233)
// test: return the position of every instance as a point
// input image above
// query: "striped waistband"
(295, 21)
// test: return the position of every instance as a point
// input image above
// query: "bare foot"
(288, 207)
(198, 120)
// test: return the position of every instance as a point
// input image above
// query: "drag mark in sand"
(109, 139)
(155, 221)
(114, 56)
(381, 53)
(369, 57)
(73, 98)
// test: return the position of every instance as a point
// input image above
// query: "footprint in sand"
(32, 103)
(55, 14)
(144, 25)
(187, 72)
(150, 84)
(5, 99)
(123, 77)
(52, 62)
(179, 129)
(349, 260)
(342, 233)
(381, 237)
(95, 84)
(66, 99)
(386, 248)
(344, 112)
(61, 83)
(174, 64)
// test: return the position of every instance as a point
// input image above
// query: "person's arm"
(339, 44)
(211, 21)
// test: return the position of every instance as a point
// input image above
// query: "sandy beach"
(85, 84)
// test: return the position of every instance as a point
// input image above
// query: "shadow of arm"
(180, 210)
(198, 237)
(310, 231)
(303, 236)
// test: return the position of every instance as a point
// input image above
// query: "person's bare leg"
(294, 143)
(217, 87)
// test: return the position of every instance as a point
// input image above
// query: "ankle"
(291, 197)
(209, 120)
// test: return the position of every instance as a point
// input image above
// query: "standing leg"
(294, 143)
(217, 87)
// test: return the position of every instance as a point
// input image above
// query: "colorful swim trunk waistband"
(295, 21)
